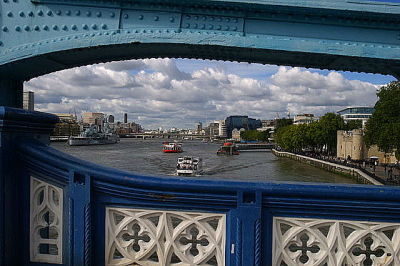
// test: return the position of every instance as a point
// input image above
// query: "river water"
(146, 157)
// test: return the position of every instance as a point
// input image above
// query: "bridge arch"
(42, 36)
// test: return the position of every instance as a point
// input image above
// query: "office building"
(239, 122)
(361, 113)
(28, 100)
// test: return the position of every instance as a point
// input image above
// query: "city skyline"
(180, 92)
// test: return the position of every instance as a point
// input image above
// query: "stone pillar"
(11, 93)
(17, 126)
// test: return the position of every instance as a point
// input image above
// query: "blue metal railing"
(248, 205)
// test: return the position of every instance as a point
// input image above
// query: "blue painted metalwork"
(341, 35)
(42, 36)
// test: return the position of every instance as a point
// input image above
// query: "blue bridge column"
(10, 95)
(16, 125)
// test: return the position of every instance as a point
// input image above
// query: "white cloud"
(156, 92)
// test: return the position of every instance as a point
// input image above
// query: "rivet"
(187, 17)
(94, 26)
(226, 27)
(203, 26)
(14, 1)
(64, 27)
(187, 25)
(5, 1)
(218, 27)
(172, 19)
(58, 12)
(219, 19)
(144, 31)
(84, 26)
(204, 18)
(18, 28)
(1, 43)
(92, 35)
(98, 14)
(68, 38)
(196, 17)
(99, 34)
(228, 19)
(103, 26)
(55, 27)
(77, 12)
(36, 28)
(141, 17)
(156, 18)
(30, 14)
(235, 20)
(45, 27)
(68, 12)
(40, 13)
(49, 13)
(4, 28)
(88, 13)
(21, 14)
(126, 16)
(9, 14)
(112, 14)
(212, 18)
(234, 28)
(210, 27)
(74, 27)
(195, 25)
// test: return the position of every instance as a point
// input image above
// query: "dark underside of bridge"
(26, 69)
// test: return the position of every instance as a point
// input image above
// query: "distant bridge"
(163, 136)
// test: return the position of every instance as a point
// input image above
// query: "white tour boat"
(189, 165)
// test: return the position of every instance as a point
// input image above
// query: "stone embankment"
(357, 174)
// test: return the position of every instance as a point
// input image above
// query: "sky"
(181, 92)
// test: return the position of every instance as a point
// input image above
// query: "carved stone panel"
(46, 222)
(298, 241)
(152, 237)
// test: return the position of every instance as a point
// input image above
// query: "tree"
(329, 124)
(255, 135)
(383, 128)
(282, 122)
(353, 124)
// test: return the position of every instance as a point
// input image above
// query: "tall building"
(125, 118)
(199, 127)
(222, 129)
(241, 121)
(110, 119)
(362, 113)
(29, 100)
(93, 118)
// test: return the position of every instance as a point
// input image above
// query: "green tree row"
(251, 135)
(383, 128)
(320, 136)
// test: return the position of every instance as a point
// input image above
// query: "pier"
(255, 146)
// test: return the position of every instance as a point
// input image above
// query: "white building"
(362, 113)
(221, 128)
(28, 100)
(304, 119)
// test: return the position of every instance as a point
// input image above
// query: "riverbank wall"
(356, 174)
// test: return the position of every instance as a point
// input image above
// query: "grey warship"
(91, 136)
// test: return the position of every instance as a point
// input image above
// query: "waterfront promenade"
(358, 174)
(376, 174)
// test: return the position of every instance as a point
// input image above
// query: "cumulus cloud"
(157, 92)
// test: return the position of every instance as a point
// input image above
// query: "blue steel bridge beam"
(44, 36)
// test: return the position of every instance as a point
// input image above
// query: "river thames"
(146, 157)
